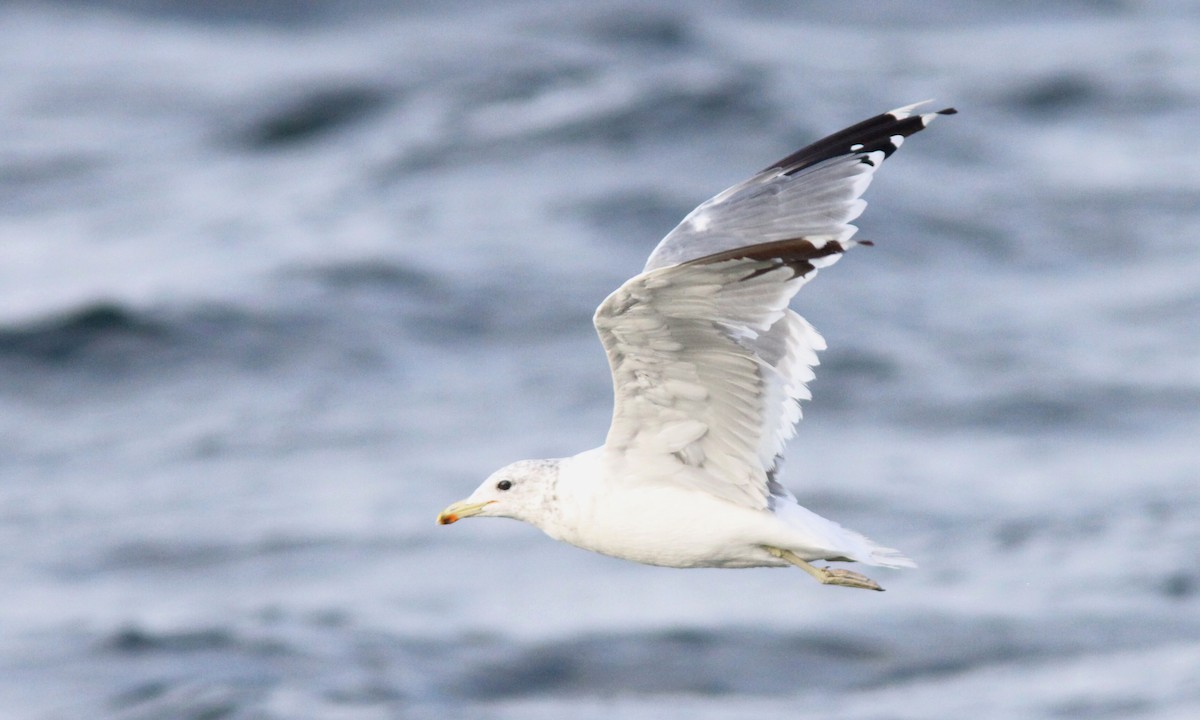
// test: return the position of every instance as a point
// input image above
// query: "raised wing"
(815, 192)
(708, 362)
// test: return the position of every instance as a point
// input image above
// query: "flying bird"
(709, 365)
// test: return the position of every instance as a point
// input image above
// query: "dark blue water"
(279, 281)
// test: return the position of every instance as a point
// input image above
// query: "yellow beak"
(460, 510)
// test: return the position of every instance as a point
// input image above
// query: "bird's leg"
(827, 576)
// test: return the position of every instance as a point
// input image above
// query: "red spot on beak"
(447, 519)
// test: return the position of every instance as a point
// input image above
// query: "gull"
(709, 365)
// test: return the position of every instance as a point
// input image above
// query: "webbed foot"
(826, 575)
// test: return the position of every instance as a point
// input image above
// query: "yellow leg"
(827, 576)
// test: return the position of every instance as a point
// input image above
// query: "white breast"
(603, 508)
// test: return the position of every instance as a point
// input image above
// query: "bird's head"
(517, 491)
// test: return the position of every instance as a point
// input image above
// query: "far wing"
(708, 362)
(813, 193)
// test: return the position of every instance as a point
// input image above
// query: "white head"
(523, 491)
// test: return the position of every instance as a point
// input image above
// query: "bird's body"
(700, 530)
(709, 365)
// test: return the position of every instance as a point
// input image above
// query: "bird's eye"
(504, 484)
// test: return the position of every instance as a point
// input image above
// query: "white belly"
(665, 522)
(676, 528)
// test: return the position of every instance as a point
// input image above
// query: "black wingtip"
(875, 134)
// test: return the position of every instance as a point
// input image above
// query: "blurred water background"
(279, 280)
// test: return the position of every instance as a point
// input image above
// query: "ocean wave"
(310, 115)
(93, 330)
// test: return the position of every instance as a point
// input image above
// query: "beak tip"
(459, 510)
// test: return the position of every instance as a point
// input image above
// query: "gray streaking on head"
(709, 366)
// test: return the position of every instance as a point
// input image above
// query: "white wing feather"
(709, 363)
(708, 367)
